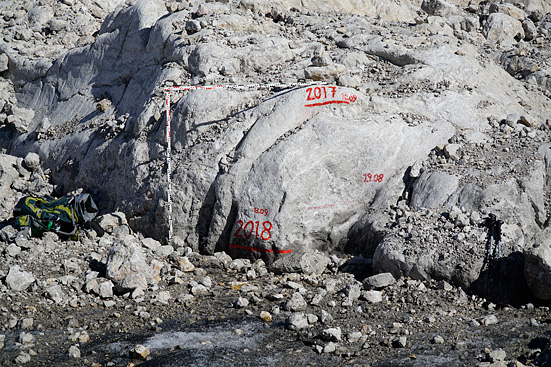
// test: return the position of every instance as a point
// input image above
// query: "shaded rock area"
(338, 223)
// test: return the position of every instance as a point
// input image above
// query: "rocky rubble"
(336, 318)
(367, 200)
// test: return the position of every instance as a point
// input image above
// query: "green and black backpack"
(65, 216)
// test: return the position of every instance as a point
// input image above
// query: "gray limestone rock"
(241, 302)
(74, 352)
(530, 29)
(301, 262)
(32, 161)
(379, 281)
(372, 296)
(18, 279)
(296, 321)
(503, 30)
(56, 294)
(127, 266)
(106, 289)
(296, 303)
(277, 173)
(3, 62)
(439, 7)
(332, 334)
(432, 189)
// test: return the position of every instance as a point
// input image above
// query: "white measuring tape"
(168, 90)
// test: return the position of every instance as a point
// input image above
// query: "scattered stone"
(18, 279)
(439, 7)
(185, 265)
(23, 358)
(198, 289)
(151, 244)
(379, 281)
(529, 121)
(530, 29)
(503, 30)
(316, 300)
(312, 319)
(352, 292)
(438, 340)
(330, 347)
(497, 355)
(372, 296)
(3, 62)
(103, 105)
(325, 73)
(13, 250)
(106, 289)
(489, 320)
(401, 342)
(163, 297)
(26, 338)
(241, 302)
(127, 266)
(452, 151)
(139, 352)
(445, 286)
(296, 321)
(84, 337)
(332, 334)
(192, 26)
(296, 303)
(138, 292)
(26, 323)
(266, 316)
(56, 294)
(354, 336)
(474, 323)
(164, 251)
(109, 304)
(207, 282)
(112, 221)
(74, 352)
(32, 161)
(326, 317)
(301, 262)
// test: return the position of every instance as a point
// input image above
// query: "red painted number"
(266, 229)
(368, 177)
(261, 211)
(266, 225)
(346, 97)
(309, 91)
(236, 234)
(318, 92)
(245, 229)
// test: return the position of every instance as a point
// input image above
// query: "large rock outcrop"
(401, 125)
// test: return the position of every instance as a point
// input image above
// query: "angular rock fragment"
(301, 262)
(296, 303)
(18, 279)
(139, 352)
(296, 321)
(127, 266)
(332, 334)
(378, 281)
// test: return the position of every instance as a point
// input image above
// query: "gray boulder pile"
(431, 115)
